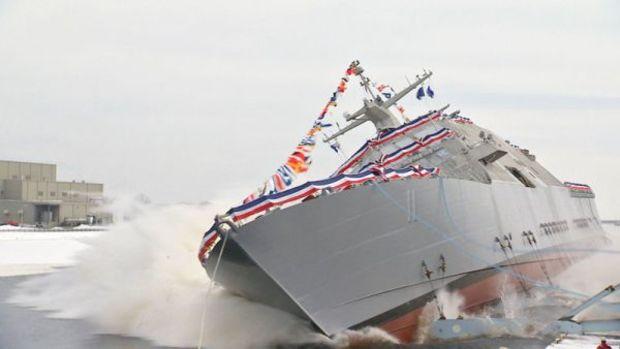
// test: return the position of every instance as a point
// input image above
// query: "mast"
(376, 110)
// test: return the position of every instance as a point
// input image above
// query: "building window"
(27, 177)
(52, 193)
(64, 194)
(40, 193)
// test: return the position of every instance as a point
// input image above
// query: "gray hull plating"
(344, 258)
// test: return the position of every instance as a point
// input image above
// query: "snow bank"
(8, 227)
(23, 253)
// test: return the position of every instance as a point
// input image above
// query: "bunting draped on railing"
(386, 136)
(410, 149)
(208, 241)
(461, 119)
(299, 161)
(300, 193)
(336, 183)
(579, 190)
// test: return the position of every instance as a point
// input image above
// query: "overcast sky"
(201, 100)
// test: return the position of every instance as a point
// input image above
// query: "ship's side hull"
(355, 258)
(477, 289)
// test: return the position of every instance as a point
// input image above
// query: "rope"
(428, 273)
(514, 257)
(211, 286)
(531, 239)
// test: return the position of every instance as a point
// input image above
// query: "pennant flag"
(420, 93)
(285, 174)
(278, 182)
(335, 146)
(385, 90)
(342, 86)
(430, 92)
(309, 141)
(323, 125)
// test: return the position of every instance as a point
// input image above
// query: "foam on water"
(142, 278)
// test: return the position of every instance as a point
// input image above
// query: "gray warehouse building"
(31, 195)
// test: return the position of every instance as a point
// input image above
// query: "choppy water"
(142, 280)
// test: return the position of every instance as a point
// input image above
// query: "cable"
(211, 286)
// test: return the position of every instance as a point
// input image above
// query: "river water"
(139, 286)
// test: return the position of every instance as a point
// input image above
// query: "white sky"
(202, 100)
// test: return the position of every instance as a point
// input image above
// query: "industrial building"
(31, 195)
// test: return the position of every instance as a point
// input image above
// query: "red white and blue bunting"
(208, 241)
(332, 184)
(411, 148)
(387, 136)
(579, 188)
(263, 204)
(462, 120)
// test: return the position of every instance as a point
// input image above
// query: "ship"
(429, 203)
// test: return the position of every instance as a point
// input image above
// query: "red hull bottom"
(477, 294)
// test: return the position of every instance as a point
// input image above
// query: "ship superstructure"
(432, 202)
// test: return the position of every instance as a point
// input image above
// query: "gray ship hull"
(355, 257)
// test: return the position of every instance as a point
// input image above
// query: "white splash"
(142, 278)
(451, 303)
(368, 337)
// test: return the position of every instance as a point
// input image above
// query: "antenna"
(378, 112)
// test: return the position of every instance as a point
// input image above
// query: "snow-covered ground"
(23, 253)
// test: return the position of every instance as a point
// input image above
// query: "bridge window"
(521, 177)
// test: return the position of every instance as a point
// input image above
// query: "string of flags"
(300, 160)
(275, 191)
(387, 92)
